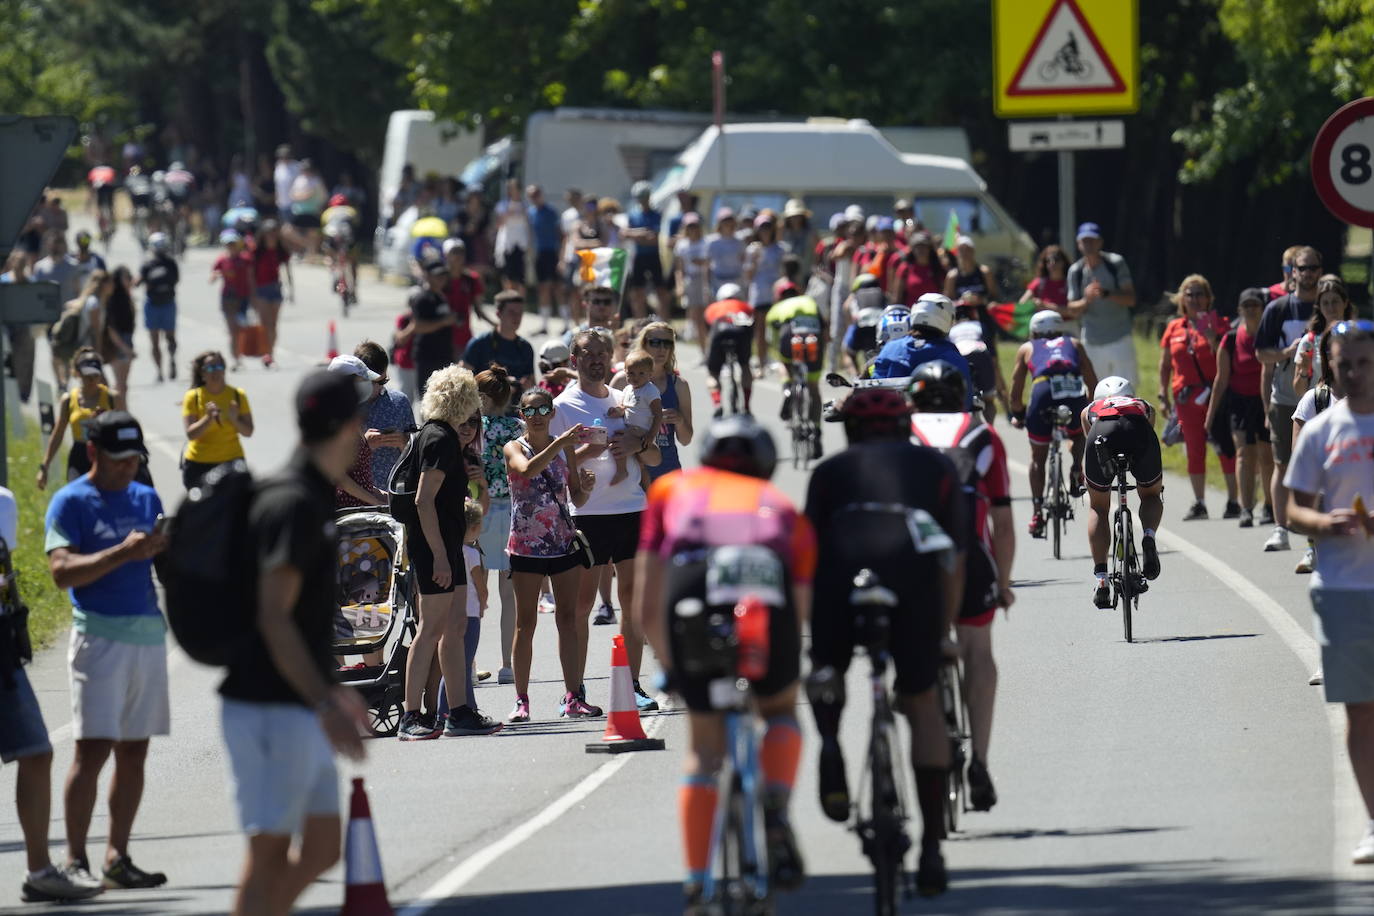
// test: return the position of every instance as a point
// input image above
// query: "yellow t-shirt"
(79, 416)
(220, 442)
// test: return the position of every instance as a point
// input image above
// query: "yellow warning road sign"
(1065, 57)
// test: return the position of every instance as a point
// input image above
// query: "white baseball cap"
(351, 365)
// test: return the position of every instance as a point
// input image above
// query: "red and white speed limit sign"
(1343, 163)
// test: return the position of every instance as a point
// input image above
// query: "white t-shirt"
(283, 174)
(726, 254)
(472, 559)
(638, 404)
(576, 406)
(1334, 457)
(1307, 407)
(689, 253)
(569, 220)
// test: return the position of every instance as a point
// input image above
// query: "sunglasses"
(1355, 326)
(542, 410)
(598, 300)
(213, 367)
(473, 421)
(660, 342)
(1195, 294)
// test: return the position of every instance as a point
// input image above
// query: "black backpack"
(208, 568)
(404, 480)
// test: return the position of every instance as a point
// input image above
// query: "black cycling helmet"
(938, 387)
(738, 443)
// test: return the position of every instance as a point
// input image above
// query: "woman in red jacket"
(1187, 370)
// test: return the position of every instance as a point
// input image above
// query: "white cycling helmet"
(158, 241)
(1114, 386)
(729, 291)
(895, 323)
(928, 314)
(1046, 324)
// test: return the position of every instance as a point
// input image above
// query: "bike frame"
(800, 424)
(1125, 579)
(1056, 497)
(737, 828)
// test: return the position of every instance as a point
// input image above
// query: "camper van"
(831, 164)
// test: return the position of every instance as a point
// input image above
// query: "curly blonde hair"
(450, 396)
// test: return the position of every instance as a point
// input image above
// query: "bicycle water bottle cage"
(1063, 415)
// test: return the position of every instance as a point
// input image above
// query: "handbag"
(1173, 430)
(252, 336)
(581, 546)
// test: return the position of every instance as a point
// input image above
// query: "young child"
(469, 720)
(639, 403)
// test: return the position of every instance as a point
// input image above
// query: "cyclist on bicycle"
(140, 190)
(179, 183)
(898, 509)
(683, 574)
(865, 308)
(800, 338)
(967, 336)
(931, 318)
(1061, 373)
(339, 223)
(941, 421)
(102, 181)
(731, 322)
(1126, 424)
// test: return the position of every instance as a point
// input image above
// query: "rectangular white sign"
(1034, 136)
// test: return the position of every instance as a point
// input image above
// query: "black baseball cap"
(435, 265)
(1255, 293)
(327, 400)
(117, 434)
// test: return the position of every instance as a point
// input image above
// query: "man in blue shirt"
(930, 323)
(504, 345)
(647, 265)
(101, 539)
(547, 228)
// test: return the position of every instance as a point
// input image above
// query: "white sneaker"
(1364, 852)
(1305, 564)
(1278, 540)
(546, 605)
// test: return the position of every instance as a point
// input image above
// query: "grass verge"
(49, 609)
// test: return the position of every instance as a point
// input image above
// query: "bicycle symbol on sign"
(1066, 60)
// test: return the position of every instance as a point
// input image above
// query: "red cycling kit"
(1127, 426)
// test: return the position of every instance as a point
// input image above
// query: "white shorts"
(119, 689)
(1115, 358)
(282, 766)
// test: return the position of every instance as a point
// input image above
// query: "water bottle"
(812, 348)
(751, 631)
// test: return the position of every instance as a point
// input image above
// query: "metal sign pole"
(1066, 200)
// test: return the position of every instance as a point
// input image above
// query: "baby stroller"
(376, 611)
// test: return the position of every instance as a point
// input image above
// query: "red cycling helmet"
(338, 200)
(875, 404)
(787, 291)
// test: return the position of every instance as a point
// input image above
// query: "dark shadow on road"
(1199, 638)
(1032, 833)
(1036, 583)
(1097, 890)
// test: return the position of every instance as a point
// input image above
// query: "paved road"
(1193, 771)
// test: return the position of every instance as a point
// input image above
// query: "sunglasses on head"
(1352, 326)
(539, 410)
(661, 342)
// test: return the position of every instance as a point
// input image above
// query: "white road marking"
(473, 865)
(1347, 820)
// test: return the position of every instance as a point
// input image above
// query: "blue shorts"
(22, 732)
(1345, 630)
(1039, 429)
(160, 317)
(282, 766)
(495, 535)
(269, 292)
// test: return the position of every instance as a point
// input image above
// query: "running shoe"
(505, 676)
(123, 873)
(931, 877)
(53, 885)
(1196, 512)
(577, 709)
(483, 675)
(471, 722)
(1307, 561)
(605, 615)
(1233, 510)
(834, 786)
(1266, 516)
(1364, 852)
(1102, 595)
(582, 695)
(415, 727)
(786, 413)
(1037, 524)
(1150, 568)
(786, 871)
(645, 702)
(1247, 519)
(1278, 540)
(521, 713)
(981, 794)
(172, 369)
(816, 449)
(694, 902)
(546, 605)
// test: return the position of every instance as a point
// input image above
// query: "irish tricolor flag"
(603, 267)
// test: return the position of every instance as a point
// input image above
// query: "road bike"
(341, 281)
(880, 815)
(1058, 506)
(731, 378)
(954, 705)
(741, 887)
(1126, 580)
(798, 396)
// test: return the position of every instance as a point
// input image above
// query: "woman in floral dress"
(543, 477)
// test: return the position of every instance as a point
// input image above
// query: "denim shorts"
(1345, 631)
(496, 535)
(22, 732)
(160, 317)
(269, 292)
(282, 766)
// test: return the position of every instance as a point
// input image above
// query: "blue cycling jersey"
(900, 358)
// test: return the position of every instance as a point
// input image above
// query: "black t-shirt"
(438, 450)
(882, 473)
(160, 276)
(436, 347)
(292, 524)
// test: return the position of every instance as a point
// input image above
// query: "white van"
(831, 164)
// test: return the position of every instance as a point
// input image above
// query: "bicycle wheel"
(797, 423)
(954, 780)
(885, 850)
(1057, 497)
(729, 388)
(1127, 573)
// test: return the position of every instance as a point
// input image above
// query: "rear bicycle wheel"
(954, 779)
(1058, 498)
(885, 841)
(1126, 576)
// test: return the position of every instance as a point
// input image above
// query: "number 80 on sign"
(1343, 163)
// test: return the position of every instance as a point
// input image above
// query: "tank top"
(666, 440)
(1053, 356)
(972, 282)
(540, 524)
(79, 416)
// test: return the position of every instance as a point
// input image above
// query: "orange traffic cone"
(623, 731)
(333, 348)
(364, 891)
